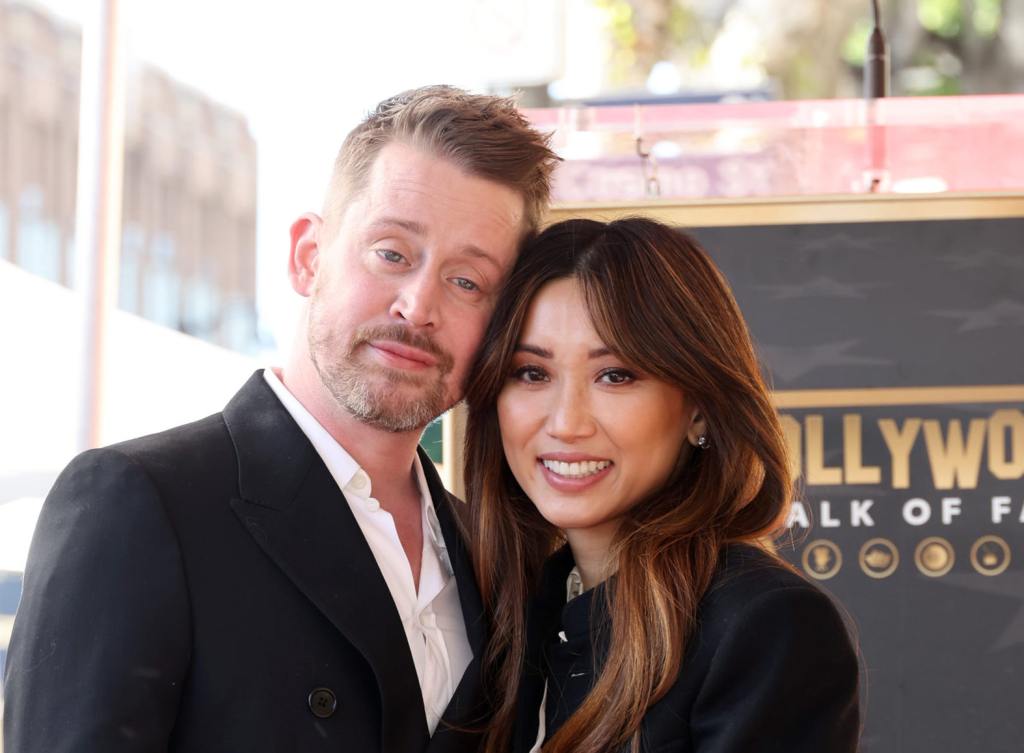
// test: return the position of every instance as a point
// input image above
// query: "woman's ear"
(304, 258)
(698, 428)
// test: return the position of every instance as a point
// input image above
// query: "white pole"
(98, 201)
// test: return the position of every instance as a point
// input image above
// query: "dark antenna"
(876, 60)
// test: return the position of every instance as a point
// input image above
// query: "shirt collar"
(347, 474)
(342, 466)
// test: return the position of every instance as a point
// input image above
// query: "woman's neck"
(591, 548)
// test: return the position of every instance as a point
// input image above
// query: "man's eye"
(617, 376)
(466, 284)
(390, 256)
(530, 374)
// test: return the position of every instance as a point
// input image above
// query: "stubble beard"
(374, 394)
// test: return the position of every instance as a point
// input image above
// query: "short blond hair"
(484, 135)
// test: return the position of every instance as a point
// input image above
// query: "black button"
(322, 702)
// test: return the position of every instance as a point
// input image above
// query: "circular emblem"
(822, 559)
(879, 558)
(990, 555)
(934, 556)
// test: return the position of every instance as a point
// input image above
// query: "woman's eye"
(466, 284)
(390, 256)
(617, 376)
(530, 374)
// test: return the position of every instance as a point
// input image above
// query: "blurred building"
(188, 258)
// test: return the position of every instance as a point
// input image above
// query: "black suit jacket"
(188, 591)
(769, 669)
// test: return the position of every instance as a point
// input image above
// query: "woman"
(624, 464)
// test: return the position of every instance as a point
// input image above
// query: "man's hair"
(486, 136)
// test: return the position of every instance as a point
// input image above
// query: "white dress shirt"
(431, 616)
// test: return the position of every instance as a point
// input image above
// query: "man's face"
(402, 293)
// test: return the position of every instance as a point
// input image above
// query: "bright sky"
(305, 71)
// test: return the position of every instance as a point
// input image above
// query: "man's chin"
(395, 409)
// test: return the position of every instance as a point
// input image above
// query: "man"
(287, 575)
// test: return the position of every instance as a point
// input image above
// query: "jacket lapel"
(467, 711)
(458, 550)
(292, 507)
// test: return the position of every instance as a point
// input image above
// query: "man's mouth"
(403, 355)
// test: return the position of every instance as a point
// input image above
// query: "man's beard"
(372, 393)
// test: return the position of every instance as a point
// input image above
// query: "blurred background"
(232, 116)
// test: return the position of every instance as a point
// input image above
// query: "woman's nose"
(570, 417)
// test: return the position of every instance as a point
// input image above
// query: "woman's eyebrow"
(544, 353)
(535, 350)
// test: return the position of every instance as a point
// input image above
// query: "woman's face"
(586, 435)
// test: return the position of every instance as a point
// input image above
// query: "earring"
(703, 442)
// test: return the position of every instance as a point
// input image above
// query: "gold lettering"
(953, 461)
(854, 470)
(900, 441)
(791, 433)
(818, 474)
(1001, 466)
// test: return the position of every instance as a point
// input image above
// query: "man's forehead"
(406, 173)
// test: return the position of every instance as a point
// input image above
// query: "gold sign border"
(808, 210)
(818, 210)
(868, 397)
(802, 210)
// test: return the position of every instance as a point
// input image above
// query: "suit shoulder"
(746, 571)
(750, 580)
(149, 464)
(200, 444)
(182, 439)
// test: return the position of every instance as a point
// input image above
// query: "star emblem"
(840, 240)
(792, 363)
(999, 314)
(820, 287)
(985, 258)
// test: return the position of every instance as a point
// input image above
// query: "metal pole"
(98, 201)
(876, 59)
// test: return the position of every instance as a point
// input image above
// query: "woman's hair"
(658, 302)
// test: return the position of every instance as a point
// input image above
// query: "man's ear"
(698, 427)
(304, 258)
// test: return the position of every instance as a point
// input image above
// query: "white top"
(432, 617)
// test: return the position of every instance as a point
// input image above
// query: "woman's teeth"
(581, 469)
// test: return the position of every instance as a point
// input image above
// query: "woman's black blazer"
(770, 668)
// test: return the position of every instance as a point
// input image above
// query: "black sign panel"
(897, 354)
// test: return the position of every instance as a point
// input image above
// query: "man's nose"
(418, 300)
(570, 417)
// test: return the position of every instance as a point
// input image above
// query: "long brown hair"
(658, 302)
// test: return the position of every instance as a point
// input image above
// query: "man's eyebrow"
(411, 225)
(478, 253)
